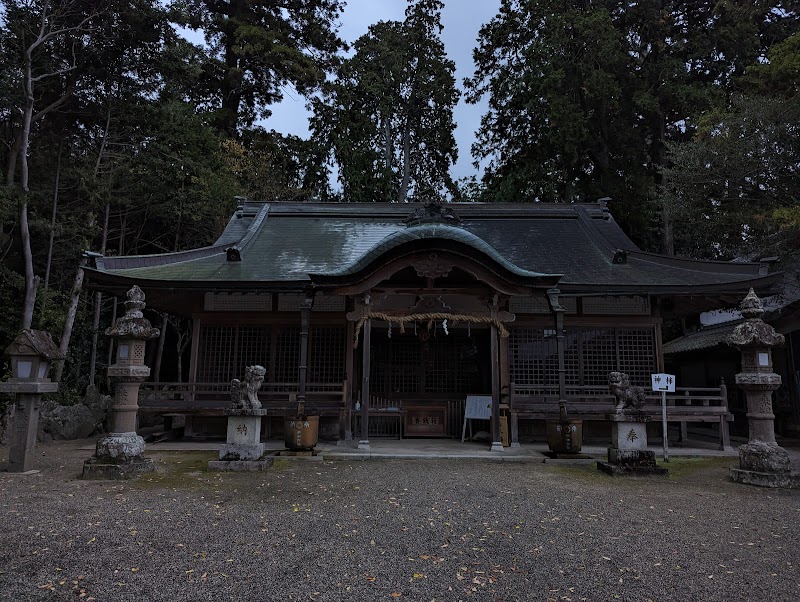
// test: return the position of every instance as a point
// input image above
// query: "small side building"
(415, 307)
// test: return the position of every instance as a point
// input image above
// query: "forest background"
(119, 136)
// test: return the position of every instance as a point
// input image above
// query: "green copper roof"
(428, 232)
(284, 244)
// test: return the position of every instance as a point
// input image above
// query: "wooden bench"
(687, 404)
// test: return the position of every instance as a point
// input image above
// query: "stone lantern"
(120, 455)
(761, 460)
(31, 354)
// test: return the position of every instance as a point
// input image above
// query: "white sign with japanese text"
(663, 382)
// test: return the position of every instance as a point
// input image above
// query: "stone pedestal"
(118, 456)
(762, 461)
(23, 433)
(243, 450)
(628, 454)
(244, 435)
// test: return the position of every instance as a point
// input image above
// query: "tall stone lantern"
(761, 460)
(120, 455)
(30, 354)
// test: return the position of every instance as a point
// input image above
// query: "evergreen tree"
(258, 49)
(737, 181)
(388, 117)
(583, 95)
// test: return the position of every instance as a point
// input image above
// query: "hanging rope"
(430, 318)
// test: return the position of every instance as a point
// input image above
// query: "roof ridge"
(234, 252)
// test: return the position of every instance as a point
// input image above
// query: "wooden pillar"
(346, 426)
(497, 443)
(365, 370)
(302, 376)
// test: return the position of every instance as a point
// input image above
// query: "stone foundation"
(788, 480)
(118, 456)
(95, 469)
(628, 454)
(765, 465)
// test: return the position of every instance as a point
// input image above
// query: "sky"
(461, 20)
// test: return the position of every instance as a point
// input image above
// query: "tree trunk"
(402, 194)
(98, 300)
(30, 278)
(66, 334)
(231, 88)
(110, 355)
(659, 158)
(52, 223)
(160, 349)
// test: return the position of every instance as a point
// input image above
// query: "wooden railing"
(585, 397)
(686, 404)
(385, 418)
(213, 398)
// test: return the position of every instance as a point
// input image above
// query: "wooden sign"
(479, 407)
(425, 421)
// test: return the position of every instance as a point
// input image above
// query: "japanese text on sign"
(663, 382)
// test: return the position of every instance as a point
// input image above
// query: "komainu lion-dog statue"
(627, 395)
(246, 397)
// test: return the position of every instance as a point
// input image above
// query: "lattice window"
(403, 366)
(572, 357)
(327, 354)
(599, 350)
(287, 354)
(589, 355)
(226, 349)
(443, 364)
(439, 357)
(216, 362)
(526, 352)
(394, 364)
(252, 348)
(637, 354)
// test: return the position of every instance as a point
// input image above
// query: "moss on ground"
(179, 470)
(189, 470)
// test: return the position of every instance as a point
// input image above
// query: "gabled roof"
(705, 338)
(282, 245)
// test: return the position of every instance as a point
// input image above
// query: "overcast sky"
(461, 19)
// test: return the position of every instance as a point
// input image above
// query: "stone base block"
(768, 458)
(629, 434)
(241, 465)
(631, 457)
(785, 480)
(616, 470)
(241, 451)
(119, 448)
(98, 470)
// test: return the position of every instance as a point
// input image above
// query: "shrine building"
(408, 309)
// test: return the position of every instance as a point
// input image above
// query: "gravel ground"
(418, 530)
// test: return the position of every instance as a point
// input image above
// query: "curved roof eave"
(431, 232)
(119, 280)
